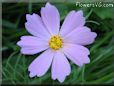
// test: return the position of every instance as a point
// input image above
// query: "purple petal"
(72, 21)
(77, 54)
(51, 18)
(41, 64)
(60, 67)
(35, 26)
(81, 35)
(32, 45)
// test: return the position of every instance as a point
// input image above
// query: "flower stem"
(83, 74)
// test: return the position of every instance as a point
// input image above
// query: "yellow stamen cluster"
(55, 42)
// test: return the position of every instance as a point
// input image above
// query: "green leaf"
(8, 24)
(104, 13)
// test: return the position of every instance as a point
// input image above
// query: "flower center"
(55, 42)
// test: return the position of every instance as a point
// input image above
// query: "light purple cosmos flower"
(57, 44)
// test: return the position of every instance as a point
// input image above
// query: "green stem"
(83, 74)
(91, 21)
(30, 7)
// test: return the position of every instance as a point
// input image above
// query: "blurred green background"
(14, 64)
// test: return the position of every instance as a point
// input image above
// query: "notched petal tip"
(22, 37)
(61, 80)
(79, 13)
(34, 14)
(26, 24)
(88, 29)
(68, 73)
(80, 65)
(31, 75)
(22, 51)
(87, 61)
(28, 16)
(48, 4)
(40, 75)
(73, 11)
(54, 78)
(18, 43)
(95, 34)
